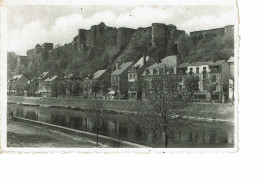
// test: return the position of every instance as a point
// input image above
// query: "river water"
(120, 126)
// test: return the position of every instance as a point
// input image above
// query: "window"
(154, 71)
(130, 76)
(191, 71)
(197, 70)
(147, 72)
(204, 72)
(214, 78)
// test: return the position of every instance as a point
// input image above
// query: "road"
(21, 134)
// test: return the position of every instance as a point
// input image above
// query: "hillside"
(102, 46)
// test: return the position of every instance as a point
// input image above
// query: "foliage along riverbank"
(199, 110)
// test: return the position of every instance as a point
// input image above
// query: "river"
(199, 134)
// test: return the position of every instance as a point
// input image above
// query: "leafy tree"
(191, 84)
(164, 106)
(30, 88)
(95, 87)
(209, 86)
(19, 89)
(85, 86)
(76, 88)
(104, 87)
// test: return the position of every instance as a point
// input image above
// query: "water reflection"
(199, 134)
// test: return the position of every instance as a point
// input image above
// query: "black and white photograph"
(114, 76)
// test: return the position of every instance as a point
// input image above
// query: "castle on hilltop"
(162, 35)
(102, 46)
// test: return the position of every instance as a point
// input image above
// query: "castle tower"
(82, 36)
(159, 35)
(123, 36)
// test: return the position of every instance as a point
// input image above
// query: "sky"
(29, 25)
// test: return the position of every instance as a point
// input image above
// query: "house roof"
(99, 73)
(140, 62)
(51, 78)
(211, 63)
(43, 75)
(231, 60)
(218, 62)
(15, 77)
(122, 68)
(183, 65)
(169, 61)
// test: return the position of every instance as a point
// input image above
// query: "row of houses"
(125, 82)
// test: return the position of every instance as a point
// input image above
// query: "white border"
(109, 150)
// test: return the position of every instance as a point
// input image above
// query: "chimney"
(116, 66)
(144, 59)
(157, 60)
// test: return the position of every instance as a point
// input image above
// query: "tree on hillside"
(182, 45)
(163, 109)
(11, 63)
(191, 84)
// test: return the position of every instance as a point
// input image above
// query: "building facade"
(48, 89)
(135, 77)
(15, 85)
(213, 78)
(168, 65)
(119, 81)
(39, 83)
(97, 83)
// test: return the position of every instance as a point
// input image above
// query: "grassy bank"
(203, 110)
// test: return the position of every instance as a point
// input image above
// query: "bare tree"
(164, 104)
(97, 110)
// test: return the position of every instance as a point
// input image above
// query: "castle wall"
(218, 31)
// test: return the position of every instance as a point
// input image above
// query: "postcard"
(119, 77)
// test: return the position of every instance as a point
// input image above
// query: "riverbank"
(215, 111)
(21, 134)
(24, 132)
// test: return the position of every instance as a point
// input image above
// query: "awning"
(112, 92)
